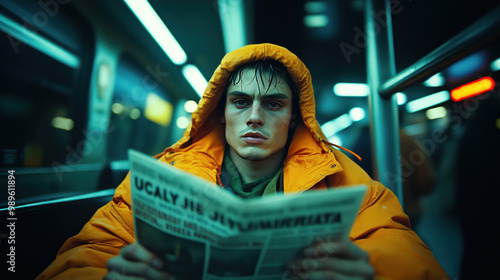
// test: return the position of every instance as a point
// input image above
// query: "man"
(255, 133)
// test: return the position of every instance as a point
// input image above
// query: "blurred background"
(83, 81)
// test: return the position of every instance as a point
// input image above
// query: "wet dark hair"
(275, 70)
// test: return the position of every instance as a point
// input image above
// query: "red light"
(472, 89)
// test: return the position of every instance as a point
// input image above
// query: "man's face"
(257, 122)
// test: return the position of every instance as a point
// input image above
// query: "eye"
(274, 105)
(240, 103)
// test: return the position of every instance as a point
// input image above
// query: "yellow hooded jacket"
(381, 228)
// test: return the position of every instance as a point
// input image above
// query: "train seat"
(42, 228)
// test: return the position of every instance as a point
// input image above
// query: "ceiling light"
(157, 28)
(428, 101)
(315, 21)
(62, 123)
(135, 113)
(336, 125)
(401, 98)
(473, 88)
(357, 113)
(351, 89)
(190, 106)
(495, 65)
(182, 122)
(435, 81)
(38, 42)
(232, 18)
(436, 113)
(117, 108)
(195, 78)
(335, 139)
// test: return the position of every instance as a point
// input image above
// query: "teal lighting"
(435, 81)
(428, 101)
(38, 42)
(336, 125)
(495, 65)
(232, 18)
(195, 78)
(351, 89)
(157, 28)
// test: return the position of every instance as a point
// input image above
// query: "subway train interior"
(83, 81)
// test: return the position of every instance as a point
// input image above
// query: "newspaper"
(202, 231)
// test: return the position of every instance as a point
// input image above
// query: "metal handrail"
(380, 65)
(466, 42)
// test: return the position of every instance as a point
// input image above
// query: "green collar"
(259, 187)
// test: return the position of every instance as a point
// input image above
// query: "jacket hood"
(203, 143)
(232, 61)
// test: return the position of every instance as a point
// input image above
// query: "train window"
(141, 113)
(47, 55)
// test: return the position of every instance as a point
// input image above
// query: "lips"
(254, 138)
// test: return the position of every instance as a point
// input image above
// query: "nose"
(255, 118)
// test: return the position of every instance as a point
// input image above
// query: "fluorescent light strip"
(195, 78)
(232, 18)
(38, 42)
(436, 113)
(495, 65)
(357, 113)
(351, 89)
(473, 88)
(67, 199)
(428, 101)
(360, 90)
(62, 123)
(401, 98)
(336, 125)
(435, 81)
(157, 28)
(315, 21)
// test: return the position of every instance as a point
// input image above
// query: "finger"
(346, 267)
(135, 260)
(137, 253)
(305, 265)
(120, 269)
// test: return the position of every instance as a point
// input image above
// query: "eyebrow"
(277, 95)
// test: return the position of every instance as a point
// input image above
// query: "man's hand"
(332, 260)
(136, 262)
